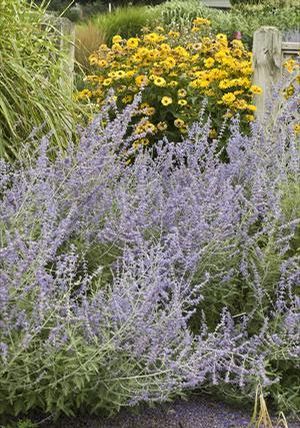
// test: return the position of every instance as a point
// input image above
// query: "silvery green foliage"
(192, 234)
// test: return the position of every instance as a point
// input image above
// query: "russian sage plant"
(127, 283)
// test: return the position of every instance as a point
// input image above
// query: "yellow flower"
(116, 47)
(149, 111)
(93, 59)
(297, 128)
(213, 133)
(130, 73)
(162, 126)
(249, 117)
(290, 65)
(117, 38)
(170, 62)
(201, 21)
(102, 63)
(166, 101)
(164, 47)
(173, 84)
(120, 74)
(86, 93)
(181, 93)
(174, 34)
(132, 43)
(107, 81)
(221, 37)
(121, 88)
(209, 62)
(152, 37)
(127, 99)
(228, 98)
(197, 46)
(251, 107)
(141, 80)
(159, 81)
(179, 123)
(256, 90)
(103, 47)
(182, 102)
(149, 127)
(240, 104)
(289, 91)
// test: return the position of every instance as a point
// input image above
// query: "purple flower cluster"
(196, 241)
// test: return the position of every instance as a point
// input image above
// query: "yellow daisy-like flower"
(290, 65)
(159, 81)
(149, 127)
(162, 126)
(240, 104)
(182, 102)
(93, 59)
(201, 21)
(116, 47)
(102, 63)
(170, 62)
(221, 37)
(228, 98)
(86, 93)
(297, 128)
(213, 133)
(173, 84)
(181, 93)
(257, 90)
(174, 34)
(152, 37)
(127, 99)
(117, 38)
(141, 80)
(249, 117)
(120, 74)
(107, 82)
(179, 123)
(132, 43)
(166, 101)
(209, 62)
(251, 107)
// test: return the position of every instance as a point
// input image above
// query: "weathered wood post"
(66, 29)
(64, 36)
(267, 59)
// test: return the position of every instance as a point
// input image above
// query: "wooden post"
(267, 61)
(67, 45)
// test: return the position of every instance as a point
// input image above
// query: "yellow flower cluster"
(292, 66)
(175, 75)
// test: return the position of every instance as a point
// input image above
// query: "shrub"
(127, 21)
(32, 90)
(177, 72)
(245, 18)
(185, 231)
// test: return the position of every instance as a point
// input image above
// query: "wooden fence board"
(217, 4)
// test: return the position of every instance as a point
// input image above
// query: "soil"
(197, 412)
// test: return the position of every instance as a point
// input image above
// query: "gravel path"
(195, 413)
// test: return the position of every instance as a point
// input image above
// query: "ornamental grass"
(33, 88)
